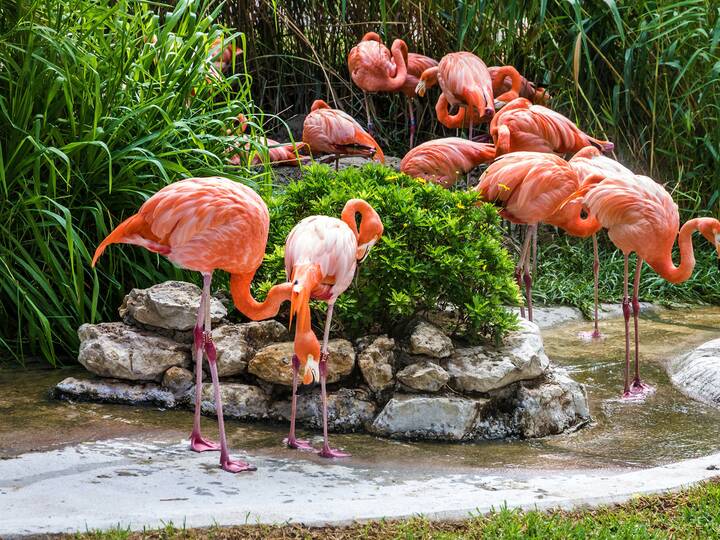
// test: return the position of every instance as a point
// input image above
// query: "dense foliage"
(438, 248)
(644, 74)
(95, 115)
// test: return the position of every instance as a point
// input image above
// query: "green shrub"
(95, 117)
(438, 248)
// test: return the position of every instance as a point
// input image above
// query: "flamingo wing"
(333, 131)
(443, 160)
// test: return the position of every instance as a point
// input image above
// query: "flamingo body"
(503, 83)
(522, 126)
(332, 131)
(374, 68)
(443, 161)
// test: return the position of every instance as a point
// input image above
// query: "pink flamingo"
(641, 216)
(321, 255)
(443, 161)
(503, 83)
(204, 224)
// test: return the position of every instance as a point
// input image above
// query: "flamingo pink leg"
(230, 465)
(525, 264)
(595, 334)
(326, 451)
(637, 386)
(626, 315)
(197, 442)
(291, 441)
(370, 126)
(412, 122)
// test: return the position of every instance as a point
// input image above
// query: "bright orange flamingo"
(443, 161)
(522, 126)
(321, 255)
(530, 186)
(591, 167)
(465, 81)
(374, 68)
(503, 83)
(204, 224)
(332, 131)
(641, 217)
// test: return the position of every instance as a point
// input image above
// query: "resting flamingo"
(530, 186)
(321, 255)
(465, 81)
(332, 131)
(443, 161)
(279, 154)
(641, 216)
(204, 224)
(503, 83)
(522, 126)
(374, 68)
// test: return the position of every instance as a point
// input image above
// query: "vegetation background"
(95, 116)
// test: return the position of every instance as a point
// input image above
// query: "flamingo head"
(710, 229)
(307, 352)
(371, 229)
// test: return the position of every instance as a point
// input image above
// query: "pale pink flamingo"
(204, 224)
(321, 255)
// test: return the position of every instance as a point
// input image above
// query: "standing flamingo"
(465, 81)
(321, 254)
(522, 126)
(503, 83)
(332, 131)
(204, 224)
(443, 161)
(641, 216)
(374, 68)
(416, 65)
(530, 186)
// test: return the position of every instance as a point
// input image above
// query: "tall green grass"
(645, 74)
(95, 117)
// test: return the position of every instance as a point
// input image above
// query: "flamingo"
(416, 65)
(641, 216)
(332, 131)
(204, 224)
(279, 154)
(443, 160)
(522, 126)
(530, 186)
(222, 57)
(321, 255)
(465, 81)
(503, 83)
(588, 163)
(374, 68)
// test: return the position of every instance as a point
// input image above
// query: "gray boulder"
(348, 410)
(429, 340)
(486, 368)
(112, 391)
(273, 363)
(697, 374)
(178, 380)
(172, 305)
(377, 362)
(118, 351)
(423, 377)
(239, 401)
(428, 417)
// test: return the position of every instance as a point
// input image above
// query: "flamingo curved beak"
(717, 248)
(420, 88)
(312, 371)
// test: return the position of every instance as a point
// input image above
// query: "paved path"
(138, 484)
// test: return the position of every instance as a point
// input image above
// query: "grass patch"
(689, 514)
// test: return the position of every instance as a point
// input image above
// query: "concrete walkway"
(139, 484)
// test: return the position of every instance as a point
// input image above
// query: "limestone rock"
(274, 362)
(348, 410)
(697, 374)
(429, 340)
(240, 401)
(233, 351)
(118, 351)
(112, 391)
(423, 377)
(428, 417)
(178, 380)
(377, 362)
(483, 369)
(261, 333)
(171, 305)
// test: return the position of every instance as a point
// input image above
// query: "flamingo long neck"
(399, 54)
(348, 216)
(665, 266)
(251, 308)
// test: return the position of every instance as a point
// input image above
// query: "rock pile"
(419, 386)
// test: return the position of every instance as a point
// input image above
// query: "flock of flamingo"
(208, 224)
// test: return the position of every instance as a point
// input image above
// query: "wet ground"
(666, 427)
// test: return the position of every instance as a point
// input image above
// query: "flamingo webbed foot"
(594, 335)
(639, 388)
(236, 465)
(328, 452)
(297, 444)
(199, 443)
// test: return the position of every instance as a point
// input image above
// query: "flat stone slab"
(549, 316)
(136, 485)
